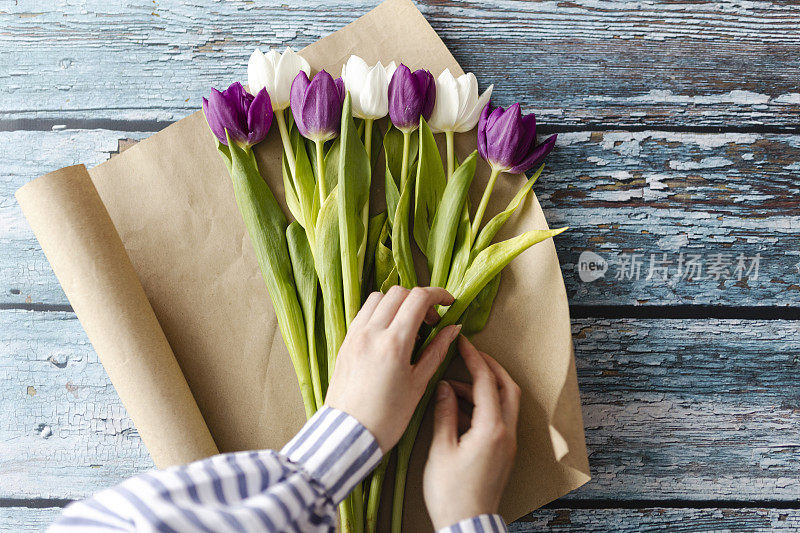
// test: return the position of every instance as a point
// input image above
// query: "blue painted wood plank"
(673, 409)
(684, 63)
(630, 197)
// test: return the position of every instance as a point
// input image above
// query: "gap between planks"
(666, 312)
(154, 126)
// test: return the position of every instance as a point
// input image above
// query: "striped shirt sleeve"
(296, 489)
(485, 523)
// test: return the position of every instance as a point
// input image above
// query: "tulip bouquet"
(319, 267)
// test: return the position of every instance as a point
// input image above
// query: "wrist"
(335, 450)
(474, 524)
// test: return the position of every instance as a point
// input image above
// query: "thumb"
(445, 418)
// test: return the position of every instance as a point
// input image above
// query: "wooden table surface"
(679, 134)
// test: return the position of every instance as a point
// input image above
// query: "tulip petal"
(467, 86)
(468, 120)
(297, 96)
(536, 156)
(502, 137)
(429, 94)
(340, 89)
(373, 101)
(287, 68)
(257, 71)
(482, 121)
(445, 112)
(527, 140)
(259, 117)
(354, 72)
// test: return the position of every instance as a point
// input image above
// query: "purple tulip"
(246, 117)
(507, 139)
(411, 95)
(317, 105)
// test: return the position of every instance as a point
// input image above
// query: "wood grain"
(674, 409)
(622, 193)
(581, 63)
(14, 519)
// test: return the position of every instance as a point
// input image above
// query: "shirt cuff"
(485, 523)
(335, 450)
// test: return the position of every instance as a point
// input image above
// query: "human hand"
(374, 380)
(465, 476)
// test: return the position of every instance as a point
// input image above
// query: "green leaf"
(430, 185)
(329, 270)
(446, 221)
(305, 279)
(461, 249)
(332, 166)
(289, 192)
(376, 224)
(384, 261)
(401, 241)
(486, 266)
(477, 313)
(491, 228)
(353, 196)
(391, 280)
(304, 180)
(266, 224)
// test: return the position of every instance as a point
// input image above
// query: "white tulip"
(275, 72)
(458, 105)
(368, 87)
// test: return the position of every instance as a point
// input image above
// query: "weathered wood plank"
(23, 519)
(622, 194)
(674, 409)
(688, 64)
(660, 519)
(19, 519)
(62, 419)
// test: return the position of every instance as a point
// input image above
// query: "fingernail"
(442, 390)
(454, 332)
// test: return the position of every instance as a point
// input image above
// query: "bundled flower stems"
(319, 267)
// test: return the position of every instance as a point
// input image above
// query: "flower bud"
(458, 105)
(317, 105)
(275, 72)
(507, 139)
(411, 95)
(247, 118)
(368, 87)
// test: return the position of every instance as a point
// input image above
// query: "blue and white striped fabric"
(294, 490)
(485, 523)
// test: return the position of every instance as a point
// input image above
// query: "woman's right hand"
(465, 476)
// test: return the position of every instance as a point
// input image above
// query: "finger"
(464, 421)
(366, 311)
(388, 306)
(484, 386)
(509, 390)
(462, 390)
(415, 308)
(434, 354)
(432, 317)
(445, 419)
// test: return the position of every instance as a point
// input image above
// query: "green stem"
(476, 224)
(321, 171)
(313, 363)
(451, 153)
(368, 138)
(404, 167)
(362, 249)
(375, 488)
(287, 143)
(357, 499)
(406, 444)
